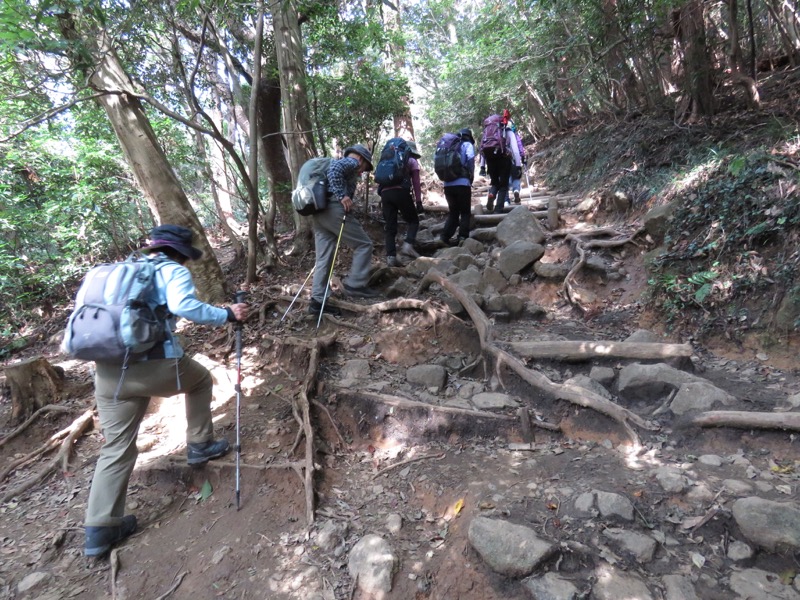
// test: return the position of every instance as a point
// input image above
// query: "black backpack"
(392, 169)
(448, 161)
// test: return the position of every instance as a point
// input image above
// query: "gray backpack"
(116, 318)
(311, 194)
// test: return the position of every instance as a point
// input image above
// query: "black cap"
(466, 134)
(173, 236)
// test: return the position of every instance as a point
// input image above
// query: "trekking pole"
(297, 295)
(330, 274)
(238, 298)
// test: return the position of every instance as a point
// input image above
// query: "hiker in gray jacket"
(343, 176)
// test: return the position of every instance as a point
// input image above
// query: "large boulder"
(517, 256)
(520, 224)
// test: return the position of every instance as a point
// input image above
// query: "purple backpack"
(493, 140)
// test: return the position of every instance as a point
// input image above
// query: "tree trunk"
(403, 124)
(291, 67)
(696, 64)
(280, 176)
(735, 57)
(253, 210)
(34, 383)
(297, 128)
(158, 182)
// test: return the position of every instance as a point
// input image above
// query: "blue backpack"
(392, 168)
(116, 318)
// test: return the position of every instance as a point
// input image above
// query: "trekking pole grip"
(239, 298)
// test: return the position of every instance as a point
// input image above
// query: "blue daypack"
(392, 168)
(116, 318)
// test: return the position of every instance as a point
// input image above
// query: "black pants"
(499, 168)
(394, 201)
(459, 201)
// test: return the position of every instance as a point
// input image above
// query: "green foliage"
(65, 203)
(352, 91)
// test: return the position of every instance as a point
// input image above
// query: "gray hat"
(412, 145)
(362, 152)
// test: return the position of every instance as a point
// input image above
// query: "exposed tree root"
(578, 350)
(72, 433)
(581, 245)
(408, 461)
(748, 420)
(572, 393)
(31, 419)
(302, 410)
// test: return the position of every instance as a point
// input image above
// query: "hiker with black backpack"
(499, 148)
(334, 225)
(397, 176)
(123, 388)
(454, 163)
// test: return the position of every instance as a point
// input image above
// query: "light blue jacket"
(175, 288)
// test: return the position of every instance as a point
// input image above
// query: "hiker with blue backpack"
(454, 163)
(334, 225)
(397, 176)
(123, 388)
(499, 148)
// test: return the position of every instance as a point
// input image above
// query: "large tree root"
(301, 409)
(405, 403)
(747, 420)
(581, 245)
(72, 433)
(584, 349)
(572, 393)
(31, 419)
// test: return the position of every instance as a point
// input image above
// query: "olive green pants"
(120, 420)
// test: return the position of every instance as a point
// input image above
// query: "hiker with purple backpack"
(499, 148)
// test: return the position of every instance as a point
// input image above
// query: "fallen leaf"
(206, 490)
(458, 506)
(698, 559)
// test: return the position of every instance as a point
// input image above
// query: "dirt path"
(679, 482)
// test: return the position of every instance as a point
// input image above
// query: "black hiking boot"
(314, 307)
(201, 453)
(100, 539)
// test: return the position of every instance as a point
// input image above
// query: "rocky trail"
(510, 423)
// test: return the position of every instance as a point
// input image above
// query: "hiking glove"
(482, 172)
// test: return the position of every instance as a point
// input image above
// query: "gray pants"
(327, 225)
(120, 422)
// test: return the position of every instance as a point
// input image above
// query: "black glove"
(482, 172)
(516, 172)
(420, 208)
